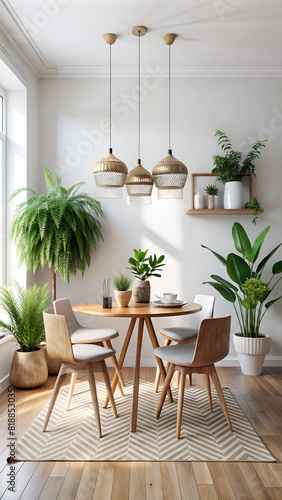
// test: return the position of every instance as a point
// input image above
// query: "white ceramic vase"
(233, 195)
(199, 201)
(210, 201)
(251, 352)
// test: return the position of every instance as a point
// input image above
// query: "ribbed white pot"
(233, 195)
(251, 352)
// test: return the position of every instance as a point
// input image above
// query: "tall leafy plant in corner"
(248, 292)
(58, 229)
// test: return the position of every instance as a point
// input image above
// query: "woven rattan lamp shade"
(110, 175)
(170, 176)
(139, 185)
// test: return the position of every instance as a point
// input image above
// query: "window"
(2, 184)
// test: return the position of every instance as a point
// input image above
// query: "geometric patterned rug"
(205, 435)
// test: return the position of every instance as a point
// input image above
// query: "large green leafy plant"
(57, 229)
(142, 267)
(248, 292)
(24, 312)
(232, 167)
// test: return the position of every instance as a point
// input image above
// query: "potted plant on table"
(211, 191)
(231, 168)
(122, 292)
(57, 229)
(143, 267)
(24, 312)
(249, 295)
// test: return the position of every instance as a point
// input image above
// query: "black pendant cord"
(110, 150)
(169, 107)
(138, 119)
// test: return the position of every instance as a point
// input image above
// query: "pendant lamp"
(139, 182)
(170, 174)
(110, 172)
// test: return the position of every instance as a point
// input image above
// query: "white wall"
(246, 109)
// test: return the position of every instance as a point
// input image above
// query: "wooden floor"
(259, 397)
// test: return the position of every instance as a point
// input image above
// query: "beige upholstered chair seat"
(178, 333)
(83, 353)
(179, 354)
(85, 335)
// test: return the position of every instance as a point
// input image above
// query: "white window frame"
(3, 192)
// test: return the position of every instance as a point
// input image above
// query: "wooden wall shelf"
(219, 211)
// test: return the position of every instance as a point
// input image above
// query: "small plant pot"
(123, 297)
(141, 291)
(210, 201)
(233, 195)
(28, 369)
(251, 352)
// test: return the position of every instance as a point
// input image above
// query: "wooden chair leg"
(57, 387)
(177, 378)
(115, 363)
(158, 372)
(190, 378)
(92, 386)
(108, 387)
(137, 375)
(164, 390)
(217, 385)
(71, 389)
(208, 387)
(180, 402)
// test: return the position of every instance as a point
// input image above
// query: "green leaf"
(237, 269)
(277, 267)
(248, 304)
(258, 243)
(226, 293)
(217, 255)
(261, 265)
(224, 282)
(241, 240)
(268, 304)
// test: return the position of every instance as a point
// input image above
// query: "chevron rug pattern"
(205, 435)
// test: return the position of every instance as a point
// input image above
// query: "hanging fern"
(57, 229)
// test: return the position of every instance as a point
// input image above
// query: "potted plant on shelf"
(57, 229)
(231, 168)
(24, 312)
(253, 204)
(249, 295)
(122, 292)
(142, 267)
(211, 191)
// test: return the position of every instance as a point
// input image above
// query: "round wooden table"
(144, 313)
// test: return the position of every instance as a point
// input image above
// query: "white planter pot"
(251, 352)
(233, 195)
(210, 201)
(199, 201)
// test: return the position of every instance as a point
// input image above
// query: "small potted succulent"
(23, 319)
(230, 169)
(249, 295)
(142, 267)
(122, 292)
(211, 191)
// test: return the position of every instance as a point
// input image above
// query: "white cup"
(169, 297)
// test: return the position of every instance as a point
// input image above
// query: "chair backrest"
(57, 336)
(207, 303)
(63, 307)
(212, 341)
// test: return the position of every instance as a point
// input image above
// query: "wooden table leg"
(137, 375)
(122, 356)
(155, 344)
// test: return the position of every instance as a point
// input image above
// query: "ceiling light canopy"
(110, 172)
(139, 182)
(170, 174)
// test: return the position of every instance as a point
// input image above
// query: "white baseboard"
(4, 382)
(229, 361)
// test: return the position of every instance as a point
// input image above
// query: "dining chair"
(83, 335)
(212, 345)
(76, 358)
(187, 334)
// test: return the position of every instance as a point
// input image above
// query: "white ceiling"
(65, 37)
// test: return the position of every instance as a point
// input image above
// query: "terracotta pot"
(123, 297)
(141, 291)
(28, 369)
(251, 352)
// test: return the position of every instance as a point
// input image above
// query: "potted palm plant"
(57, 229)
(122, 292)
(143, 267)
(23, 310)
(249, 295)
(231, 168)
